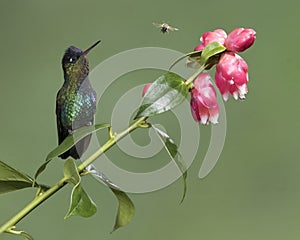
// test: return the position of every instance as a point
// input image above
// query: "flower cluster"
(231, 75)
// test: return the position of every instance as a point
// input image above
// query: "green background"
(252, 193)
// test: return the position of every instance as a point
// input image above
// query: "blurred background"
(253, 191)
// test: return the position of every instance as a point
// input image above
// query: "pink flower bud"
(204, 105)
(218, 35)
(240, 39)
(199, 47)
(146, 87)
(232, 76)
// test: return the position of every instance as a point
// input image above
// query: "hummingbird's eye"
(72, 59)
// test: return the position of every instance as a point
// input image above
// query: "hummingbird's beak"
(90, 48)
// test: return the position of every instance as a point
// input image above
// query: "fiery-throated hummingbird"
(76, 100)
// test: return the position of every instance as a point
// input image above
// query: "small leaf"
(209, 56)
(26, 235)
(193, 54)
(125, 209)
(71, 172)
(172, 150)
(19, 233)
(81, 204)
(11, 179)
(69, 142)
(211, 50)
(167, 92)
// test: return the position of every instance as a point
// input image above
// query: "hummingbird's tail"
(78, 149)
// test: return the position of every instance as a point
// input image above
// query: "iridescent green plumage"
(76, 100)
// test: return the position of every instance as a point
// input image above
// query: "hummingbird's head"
(71, 56)
(74, 60)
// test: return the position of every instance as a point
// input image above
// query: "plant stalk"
(60, 184)
(192, 78)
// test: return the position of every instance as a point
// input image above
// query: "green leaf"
(125, 206)
(167, 92)
(175, 155)
(211, 54)
(212, 49)
(71, 172)
(81, 204)
(125, 209)
(69, 142)
(193, 54)
(11, 179)
(26, 235)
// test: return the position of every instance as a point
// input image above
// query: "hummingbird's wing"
(61, 131)
(64, 132)
(84, 117)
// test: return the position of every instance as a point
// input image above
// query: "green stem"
(32, 205)
(192, 78)
(114, 138)
(60, 184)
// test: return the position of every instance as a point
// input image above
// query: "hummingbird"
(75, 100)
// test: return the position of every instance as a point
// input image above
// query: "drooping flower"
(232, 76)
(218, 35)
(240, 39)
(204, 105)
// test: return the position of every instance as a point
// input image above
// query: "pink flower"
(146, 87)
(218, 35)
(232, 76)
(204, 104)
(240, 39)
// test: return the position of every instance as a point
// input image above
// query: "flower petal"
(240, 39)
(204, 105)
(232, 76)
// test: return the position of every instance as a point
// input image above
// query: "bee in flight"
(164, 27)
